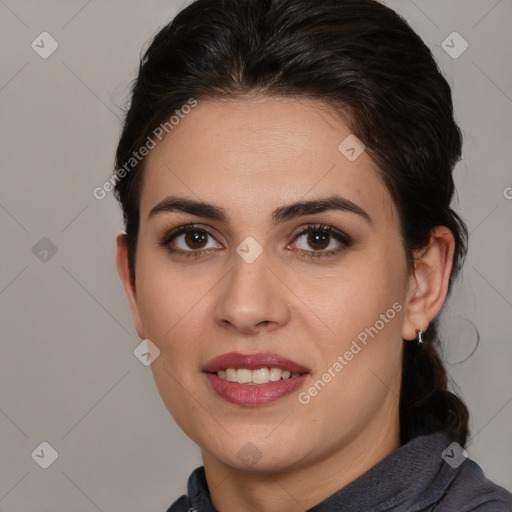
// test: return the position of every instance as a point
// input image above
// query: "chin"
(256, 454)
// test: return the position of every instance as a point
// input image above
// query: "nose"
(252, 298)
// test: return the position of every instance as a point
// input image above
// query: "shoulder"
(182, 504)
(197, 497)
(471, 490)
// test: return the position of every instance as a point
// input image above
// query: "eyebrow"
(279, 215)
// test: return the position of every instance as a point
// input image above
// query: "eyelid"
(347, 239)
(182, 229)
(343, 239)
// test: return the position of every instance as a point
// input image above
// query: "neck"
(300, 488)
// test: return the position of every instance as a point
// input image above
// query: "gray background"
(68, 375)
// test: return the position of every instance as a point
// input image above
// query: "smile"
(259, 376)
(254, 379)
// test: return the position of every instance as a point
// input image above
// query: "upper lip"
(253, 362)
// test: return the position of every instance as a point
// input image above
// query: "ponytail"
(426, 404)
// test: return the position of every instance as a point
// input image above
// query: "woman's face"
(258, 283)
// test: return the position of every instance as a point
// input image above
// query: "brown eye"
(189, 241)
(195, 239)
(318, 241)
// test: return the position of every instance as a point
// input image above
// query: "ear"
(428, 284)
(123, 269)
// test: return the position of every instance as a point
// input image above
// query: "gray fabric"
(414, 478)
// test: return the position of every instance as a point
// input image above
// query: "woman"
(285, 174)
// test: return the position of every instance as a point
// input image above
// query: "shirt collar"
(411, 478)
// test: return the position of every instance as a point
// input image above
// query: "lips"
(253, 362)
(288, 377)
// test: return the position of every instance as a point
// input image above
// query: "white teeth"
(275, 374)
(243, 376)
(259, 376)
(230, 374)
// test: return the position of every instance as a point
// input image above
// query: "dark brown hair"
(358, 57)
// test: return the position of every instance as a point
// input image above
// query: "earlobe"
(123, 269)
(428, 283)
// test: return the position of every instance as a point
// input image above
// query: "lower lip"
(254, 394)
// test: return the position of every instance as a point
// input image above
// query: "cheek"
(168, 296)
(361, 367)
(367, 294)
(172, 311)
(364, 307)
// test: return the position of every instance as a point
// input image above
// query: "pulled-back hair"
(359, 58)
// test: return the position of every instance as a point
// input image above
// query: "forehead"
(262, 152)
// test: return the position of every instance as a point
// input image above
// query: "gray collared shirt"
(426, 474)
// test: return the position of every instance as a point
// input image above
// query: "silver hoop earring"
(419, 339)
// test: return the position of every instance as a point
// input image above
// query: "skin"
(251, 156)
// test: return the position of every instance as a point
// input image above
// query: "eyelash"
(344, 239)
